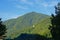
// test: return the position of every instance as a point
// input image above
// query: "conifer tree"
(55, 21)
(2, 28)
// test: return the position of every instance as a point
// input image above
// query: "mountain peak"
(33, 12)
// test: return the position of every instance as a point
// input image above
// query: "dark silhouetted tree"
(2, 28)
(55, 21)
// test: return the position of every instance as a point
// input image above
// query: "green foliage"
(42, 28)
(55, 21)
(2, 28)
(24, 24)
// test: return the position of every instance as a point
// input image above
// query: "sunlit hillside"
(35, 23)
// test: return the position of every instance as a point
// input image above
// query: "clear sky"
(14, 8)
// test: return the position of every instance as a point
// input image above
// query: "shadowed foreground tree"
(55, 21)
(2, 30)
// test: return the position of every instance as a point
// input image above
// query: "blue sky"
(14, 8)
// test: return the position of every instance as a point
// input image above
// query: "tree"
(55, 21)
(2, 28)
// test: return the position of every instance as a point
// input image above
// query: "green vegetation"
(42, 28)
(2, 29)
(55, 21)
(31, 23)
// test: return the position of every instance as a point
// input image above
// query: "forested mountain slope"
(29, 23)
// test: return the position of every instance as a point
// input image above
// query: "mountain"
(29, 23)
(42, 28)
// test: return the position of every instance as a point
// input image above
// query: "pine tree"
(55, 21)
(2, 28)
